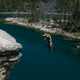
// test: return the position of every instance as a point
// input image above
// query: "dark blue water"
(11, 15)
(37, 63)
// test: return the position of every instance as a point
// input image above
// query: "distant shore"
(44, 27)
(30, 13)
(14, 12)
(58, 13)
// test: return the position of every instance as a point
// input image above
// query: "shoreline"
(43, 27)
(14, 12)
(30, 13)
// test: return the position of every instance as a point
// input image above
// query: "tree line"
(62, 6)
(12, 5)
(69, 7)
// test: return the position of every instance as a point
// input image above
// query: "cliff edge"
(9, 54)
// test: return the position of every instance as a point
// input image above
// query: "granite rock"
(8, 43)
(9, 54)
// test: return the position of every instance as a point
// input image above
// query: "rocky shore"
(9, 54)
(44, 27)
(14, 12)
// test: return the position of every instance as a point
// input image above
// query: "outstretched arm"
(46, 35)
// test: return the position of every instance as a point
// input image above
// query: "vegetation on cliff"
(69, 7)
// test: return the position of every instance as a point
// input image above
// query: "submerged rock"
(9, 54)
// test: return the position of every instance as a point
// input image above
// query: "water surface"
(37, 63)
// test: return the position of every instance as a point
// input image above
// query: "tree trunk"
(68, 15)
(65, 16)
(77, 12)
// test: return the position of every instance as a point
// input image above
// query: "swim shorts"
(50, 39)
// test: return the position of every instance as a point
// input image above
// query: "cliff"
(9, 54)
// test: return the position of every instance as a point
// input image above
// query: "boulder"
(8, 44)
(8, 47)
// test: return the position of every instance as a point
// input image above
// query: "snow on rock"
(7, 42)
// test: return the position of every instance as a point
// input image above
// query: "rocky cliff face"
(47, 7)
(9, 54)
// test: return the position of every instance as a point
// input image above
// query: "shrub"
(48, 19)
(53, 26)
(24, 10)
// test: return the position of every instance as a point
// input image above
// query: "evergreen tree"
(0, 5)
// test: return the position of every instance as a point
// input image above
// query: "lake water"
(37, 63)
(22, 15)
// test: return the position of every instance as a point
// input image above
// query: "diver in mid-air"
(49, 44)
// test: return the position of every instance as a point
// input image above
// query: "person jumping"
(49, 44)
